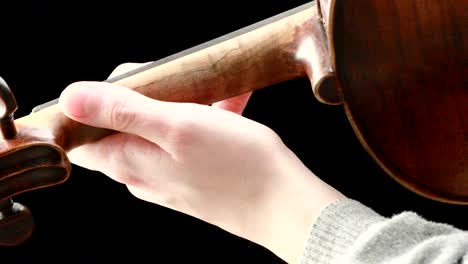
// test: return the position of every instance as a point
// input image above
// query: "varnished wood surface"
(91, 219)
(252, 61)
(29, 160)
(275, 52)
(16, 223)
(390, 80)
(402, 66)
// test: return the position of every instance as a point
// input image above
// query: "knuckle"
(269, 133)
(183, 131)
(124, 167)
(183, 128)
(118, 170)
(121, 118)
(266, 138)
(125, 178)
(274, 139)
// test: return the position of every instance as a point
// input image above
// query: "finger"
(126, 67)
(92, 156)
(235, 104)
(118, 108)
(118, 156)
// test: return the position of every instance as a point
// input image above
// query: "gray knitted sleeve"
(349, 232)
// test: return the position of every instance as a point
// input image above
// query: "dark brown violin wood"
(28, 160)
(33, 155)
(403, 66)
(285, 47)
(16, 223)
(400, 72)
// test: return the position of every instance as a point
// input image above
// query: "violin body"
(402, 69)
(396, 67)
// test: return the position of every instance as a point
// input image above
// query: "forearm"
(307, 221)
(349, 232)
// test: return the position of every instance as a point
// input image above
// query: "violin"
(395, 67)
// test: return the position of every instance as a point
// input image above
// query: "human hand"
(203, 161)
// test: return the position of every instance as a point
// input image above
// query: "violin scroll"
(29, 160)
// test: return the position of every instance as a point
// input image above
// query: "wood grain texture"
(402, 66)
(400, 71)
(251, 61)
(29, 160)
(33, 155)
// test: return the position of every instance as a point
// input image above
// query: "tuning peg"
(28, 161)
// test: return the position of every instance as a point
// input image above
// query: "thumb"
(115, 107)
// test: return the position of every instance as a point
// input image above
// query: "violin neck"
(245, 60)
(255, 57)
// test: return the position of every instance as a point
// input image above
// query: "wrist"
(292, 203)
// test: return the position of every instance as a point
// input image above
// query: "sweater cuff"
(336, 229)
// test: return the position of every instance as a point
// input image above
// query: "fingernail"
(79, 100)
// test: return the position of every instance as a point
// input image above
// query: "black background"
(46, 45)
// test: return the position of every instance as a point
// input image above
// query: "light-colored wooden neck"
(284, 47)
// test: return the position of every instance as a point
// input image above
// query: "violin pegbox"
(29, 160)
